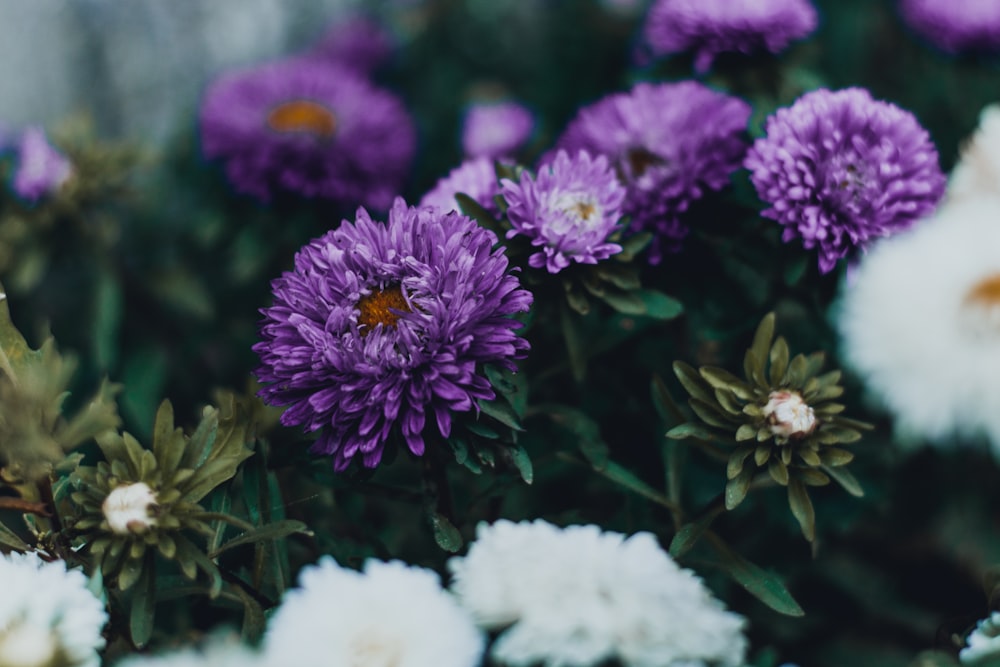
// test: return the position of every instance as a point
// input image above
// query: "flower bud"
(127, 508)
(788, 415)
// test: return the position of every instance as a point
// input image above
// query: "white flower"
(388, 615)
(789, 415)
(978, 169)
(127, 508)
(47, 614)
(218, 652)
(579, 596)
(983, 643)
(920, 320)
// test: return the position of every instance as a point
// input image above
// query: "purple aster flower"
(359, 42)
(380, 327)
(41, 169)
(668, 143)
(711, 27)
(840, 168)
(309, 128)
(956, 25)
(496, 130)
(568, 210)
(476, 178)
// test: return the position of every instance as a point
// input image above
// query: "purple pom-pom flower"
(569, 210)
(357, 41)
(381, 327)
(496, 129)
(476, 178)
(956, 25)
(308, 128)
(840, 169)
(711, 27)
(668, 143)
(41, 169)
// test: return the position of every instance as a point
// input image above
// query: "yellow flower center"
(985, 293)
(303, 116)
(584, 210)
(640, 159)
(379, 306)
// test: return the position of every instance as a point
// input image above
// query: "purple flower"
(568, 210)
(711, 27)
(476, 178)
(309, 128)
(496, 130)
(382, 326)
(840, 168)
(955, 25)
(41, 169)
(358, 42)
(668, 143)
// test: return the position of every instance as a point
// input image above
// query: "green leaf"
(757, 355)
(736, 488)
(846, 479)
(690, 533)
(763, 585)
(474, 210)
(586, 430)
(576, 298)
(271, 531)
(445, 533)
(519, 457)
(630, 303)
(502, 411)
(690, 430)
(720, 378)
(140, 620)
(712, 415)
(802, 507)
(633, 245)
(106, 318)
(622, 277)
(627, 479)
(693, 383)
(254, 620)
(779, 361)
(575, 344)
(10, 539)
(660, 306)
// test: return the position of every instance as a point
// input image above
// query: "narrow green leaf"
(779, 360)
(519, 457)
(720, 378)
(712, 415)
(846, 479)
(690, 533)
(736, 488)
(586, 430)
(692, 381)
(254, 620)
(763, 585)
(658, 305)
(445, 533)
(802, 507)
(690, 430)
(630, 303)
(140, 621)
(627, 479)
(633, 245)
(736, 461)
(502, 411)
(10, 539)
(575, 344)
(271, 531)
(622, 277)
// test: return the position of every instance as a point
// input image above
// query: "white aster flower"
(920, 321)
(578, 596)
(48, 617)
(983, 643)
(978, 169)
(390, 614)
(218, 652)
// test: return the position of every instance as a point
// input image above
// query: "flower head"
(129, 508)
(218, 652)
(568, 210)
(841, 169)
(476, 178)
(308, 128)
(48, 617)
(388, 614)
(495, 129)
(711, 27)
(380, 327)
(41, 169)
(359, 42)
(920, 322)
(983, 643)
(668, 143)
(577, 596)
(956, 26)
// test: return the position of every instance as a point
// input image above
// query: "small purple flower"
(668, 143)
(955, 25)
(308, 128)
(496, 130)
(711, 27)
(41, 169)
(840, 168)
(476, 178)
(358, 42)
(568, 210)
(380, 327)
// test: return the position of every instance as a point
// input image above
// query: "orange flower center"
(584, 210)
(303, 116)
(378, 308)
(985, 293)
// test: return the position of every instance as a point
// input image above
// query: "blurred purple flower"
(41, 169)
(496, 129)
(668, 143)
(711, 27)
(840, 169)
(955, 25)
(308, 128)
(358, 42)
(476, 178)
(568, 210)
(382, 326)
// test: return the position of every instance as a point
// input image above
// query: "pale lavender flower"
(568, 211)
(476, 178)
(496, 129)
(41, 169)
(383, 326)
(840, 169)
(955, 25)
(711, 27)
(669, 143)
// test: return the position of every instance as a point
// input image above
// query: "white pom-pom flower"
(579, 596)
(920, 321)
(47, 615)
(220, 651)
(978, 169)
(983, 644)
(388, 614)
